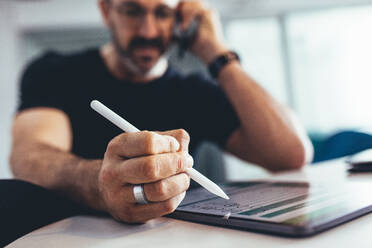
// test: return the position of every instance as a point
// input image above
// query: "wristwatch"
(216, 65)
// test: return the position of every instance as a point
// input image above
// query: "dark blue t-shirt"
(71, 82)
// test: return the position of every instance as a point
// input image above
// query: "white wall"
(8, 78)
(260, 8)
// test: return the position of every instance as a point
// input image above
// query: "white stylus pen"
(127, 127)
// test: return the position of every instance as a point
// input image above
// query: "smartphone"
(360, 162)
(185, 38)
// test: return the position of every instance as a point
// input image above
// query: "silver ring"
(139, 194)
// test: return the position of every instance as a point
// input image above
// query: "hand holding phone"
(185, 38)
(197, 28)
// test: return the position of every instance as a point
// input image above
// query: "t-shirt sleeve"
(39, 85)
(213, 117)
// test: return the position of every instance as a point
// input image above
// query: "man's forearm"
(58, 170)
(269, 133)
(277, 136)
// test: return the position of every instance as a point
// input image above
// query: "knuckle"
(116, 145)
(180, 161)
(160, 189)
(111, 146)
(183, 183)
(184, 134)
(106, 175)
(169, 206)
(186, 180)
(150, 168)
(150, 139)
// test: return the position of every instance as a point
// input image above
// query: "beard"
(132, 56)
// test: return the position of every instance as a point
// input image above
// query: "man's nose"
(148, 28)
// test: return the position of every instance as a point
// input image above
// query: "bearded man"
(60, 144)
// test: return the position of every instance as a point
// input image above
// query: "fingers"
(164, 197)
(157, 160)
(143, 213)
(189, 10)
(140, 144)
(159, 191)
(154, 168)
(181, 136)
(167, 188)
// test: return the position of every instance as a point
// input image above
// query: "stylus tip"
(224, 196)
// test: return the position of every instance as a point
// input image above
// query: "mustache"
(139, 42)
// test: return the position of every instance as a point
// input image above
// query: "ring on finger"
(139, 194)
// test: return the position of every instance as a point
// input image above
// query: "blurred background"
(311, 55)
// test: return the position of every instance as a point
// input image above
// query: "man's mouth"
(148, 51)
(147, 48)
(146, 55)
(146, 59)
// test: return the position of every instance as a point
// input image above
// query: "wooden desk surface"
(84, 231)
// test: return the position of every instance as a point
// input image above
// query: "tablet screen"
(286, 203)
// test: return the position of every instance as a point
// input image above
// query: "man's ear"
(104, 10)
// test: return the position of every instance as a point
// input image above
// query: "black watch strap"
(222, 60)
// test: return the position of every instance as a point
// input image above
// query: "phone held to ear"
(185, 38)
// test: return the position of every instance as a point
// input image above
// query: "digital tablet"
(282, 208)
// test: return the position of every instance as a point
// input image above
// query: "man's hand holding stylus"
(157, 160)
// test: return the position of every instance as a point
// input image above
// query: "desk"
(97, 232)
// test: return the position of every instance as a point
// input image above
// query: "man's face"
(141, 30)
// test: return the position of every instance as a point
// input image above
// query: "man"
(60, 144)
